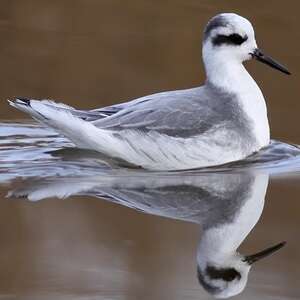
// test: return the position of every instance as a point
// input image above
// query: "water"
(74, 227)
(84, 246)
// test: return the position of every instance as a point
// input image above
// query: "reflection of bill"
(226, 205)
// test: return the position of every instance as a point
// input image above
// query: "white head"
(229, 40)
(230, 36)
(225, 276)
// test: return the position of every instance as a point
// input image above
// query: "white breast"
(254, 105)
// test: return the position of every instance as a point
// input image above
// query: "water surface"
(88, 238)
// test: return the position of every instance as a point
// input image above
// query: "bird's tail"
(30, 106)
(65, 120)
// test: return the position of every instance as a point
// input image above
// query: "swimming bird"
(222, 121)
(227, 206)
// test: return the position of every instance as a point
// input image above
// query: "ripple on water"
(32, 150)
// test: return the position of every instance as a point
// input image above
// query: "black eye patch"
(232, 39)
(227, 274)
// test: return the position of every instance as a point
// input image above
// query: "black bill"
(250, 259)
(260, 56)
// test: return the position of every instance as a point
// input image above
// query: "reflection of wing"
(207, 198)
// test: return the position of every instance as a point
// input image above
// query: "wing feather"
(182, 113)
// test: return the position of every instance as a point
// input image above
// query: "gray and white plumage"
(222, 121)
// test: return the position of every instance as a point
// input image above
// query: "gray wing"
(183, 202)
(113, 109)
(182, 113)
(95, 114)
(209, 198)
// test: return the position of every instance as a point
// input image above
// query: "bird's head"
(230, 38)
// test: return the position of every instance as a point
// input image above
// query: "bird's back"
(182, 113)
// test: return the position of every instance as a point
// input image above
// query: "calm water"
(63, 232)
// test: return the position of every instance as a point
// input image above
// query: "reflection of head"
(229, 278)
(222, 271)
(224, 282)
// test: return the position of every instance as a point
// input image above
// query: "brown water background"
(91, 53)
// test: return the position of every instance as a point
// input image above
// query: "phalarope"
(222, 121)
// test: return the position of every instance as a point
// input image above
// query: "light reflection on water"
(226, 202)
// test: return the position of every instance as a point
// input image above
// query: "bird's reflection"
(226, 204)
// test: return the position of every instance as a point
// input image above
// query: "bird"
(222, 121)
(226, 205)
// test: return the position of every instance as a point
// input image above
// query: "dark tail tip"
(22, 101)
(26, 100)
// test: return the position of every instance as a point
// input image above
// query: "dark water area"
(74, 225)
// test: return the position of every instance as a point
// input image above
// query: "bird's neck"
(231, 76)
(219, 243)
(226, 72)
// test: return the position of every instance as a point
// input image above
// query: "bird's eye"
(232, 39)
